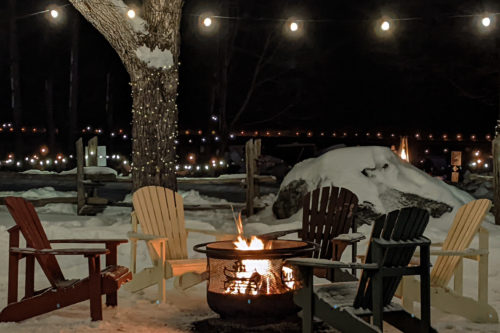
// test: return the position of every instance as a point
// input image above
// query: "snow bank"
(92, 170)
(155, 58)
(38, 193)
(371, 173)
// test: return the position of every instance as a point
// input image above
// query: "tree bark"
(154, 88)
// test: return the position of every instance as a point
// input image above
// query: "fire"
(403, 154)
(256, 276)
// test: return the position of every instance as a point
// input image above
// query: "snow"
(385, 172)
(39, 172)
(139, 312)
(137, 24)
(155, 58)
(92, 170)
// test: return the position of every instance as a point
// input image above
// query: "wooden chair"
(160, 213)
(347, 306)
(328, 214)
(62, 292)
(466, 225)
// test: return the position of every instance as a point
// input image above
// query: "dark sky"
(434, 72)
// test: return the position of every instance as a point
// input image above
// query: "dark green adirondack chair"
(347, 306)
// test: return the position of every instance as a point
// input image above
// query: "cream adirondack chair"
(160, 213)
(466, 225)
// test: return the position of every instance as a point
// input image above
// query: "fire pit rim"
(287, 252)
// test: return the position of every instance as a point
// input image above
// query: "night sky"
(434, 72)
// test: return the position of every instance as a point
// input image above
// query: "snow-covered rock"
(381, 180)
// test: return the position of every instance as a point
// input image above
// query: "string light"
(131, 13)
(486, 21)
(54, 13)
(294, 26)
(207, 22)
(385, 26)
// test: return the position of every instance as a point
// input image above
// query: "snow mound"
(38, 193)
(375, 174)
(193, 197)
(38, 172)
(92, 170)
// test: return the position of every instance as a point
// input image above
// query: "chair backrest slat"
(405, 224)
(465, 225)
(160, 212)
(26, 218)
(327, 213)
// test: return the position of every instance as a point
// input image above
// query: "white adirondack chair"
(160, 213)
(466, 225)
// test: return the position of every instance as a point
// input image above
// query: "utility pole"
(496, 143)
(15, 82)
(73, 83)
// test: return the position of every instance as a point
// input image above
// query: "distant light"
(214, 118)
(54, 13)
(485, 165)
(207, 22)
(131, 13)
(385, 26)
(486, 21)
(294, 26)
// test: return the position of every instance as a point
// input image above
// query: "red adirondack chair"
(62, 292)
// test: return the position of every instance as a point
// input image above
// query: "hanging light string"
(132, 14)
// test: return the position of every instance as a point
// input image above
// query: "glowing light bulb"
(294, 26)
(54, 13)
(385, 26)
(207, 22)
(131, 13)
(486, 21)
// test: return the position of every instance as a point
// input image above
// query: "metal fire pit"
(259, 295)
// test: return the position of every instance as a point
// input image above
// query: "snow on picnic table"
(139, 312)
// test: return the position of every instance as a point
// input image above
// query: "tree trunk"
(154, 85)
(155, 128)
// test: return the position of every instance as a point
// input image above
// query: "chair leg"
(306, 295)
(95, 288)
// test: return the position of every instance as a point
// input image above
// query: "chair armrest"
(85, 252)
(325, 263)
(89, 241)
(349, 238)
(451, 253)
(278, 234)
(402, 243)
(138, 236)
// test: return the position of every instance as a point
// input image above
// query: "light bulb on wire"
(385, 26)
(294, 26)
(131, 13)
(207, 22)
(54, 13)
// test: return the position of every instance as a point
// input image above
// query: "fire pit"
(249, 280)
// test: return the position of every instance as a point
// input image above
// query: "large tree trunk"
(154, 84)
(155, 128)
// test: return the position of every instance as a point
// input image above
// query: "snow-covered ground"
(139, 312)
